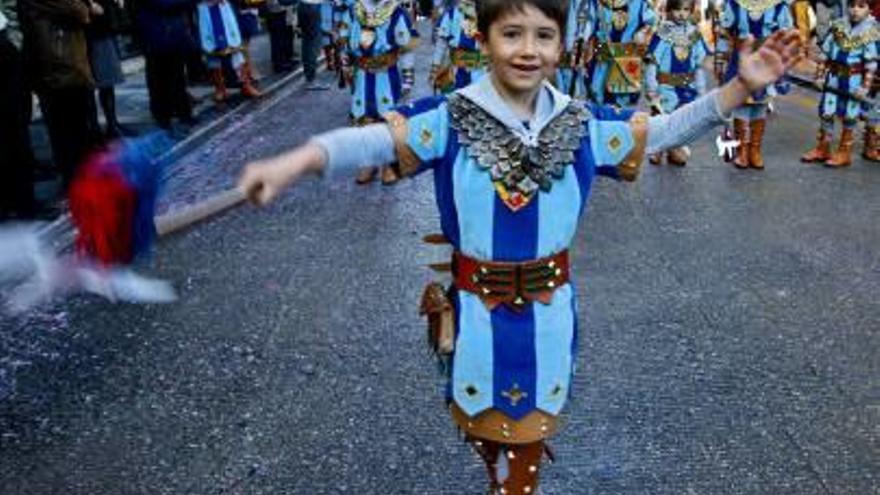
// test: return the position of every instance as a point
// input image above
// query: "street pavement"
(728, 338)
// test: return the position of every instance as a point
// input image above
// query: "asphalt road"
(729, 339)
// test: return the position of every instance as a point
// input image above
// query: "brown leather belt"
(378, 63)
(844, 70)
(510, 283)
(675, 80)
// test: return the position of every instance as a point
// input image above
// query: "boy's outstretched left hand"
(766, 65)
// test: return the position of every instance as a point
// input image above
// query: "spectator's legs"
(309, 18)
(160, 104)
(16, 158)
(66, 112)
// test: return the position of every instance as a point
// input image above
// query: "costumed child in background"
(408, 57)
(513, 161)
(851, 53)
(328, 33)
(458, 60)
(622, 31)
(744, 22)
(571, 74)
(221, 42)
(375, 34)
(673, 75)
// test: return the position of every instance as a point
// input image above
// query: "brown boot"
(389, 175)
(488, 451)
(756, 139)
(822, 151)
(248, 90)
(678, 157)
(330, 57)
(741, 134)
(843, 156)
(367, 175)
(219, 83)
(871, 149)
(656, 159)
(524, 462)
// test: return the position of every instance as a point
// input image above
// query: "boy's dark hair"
(679, 4)
(488, 11)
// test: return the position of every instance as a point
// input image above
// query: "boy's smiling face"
(523, 47)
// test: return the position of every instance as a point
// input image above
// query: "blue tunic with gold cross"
(375, 37)
(511, 364)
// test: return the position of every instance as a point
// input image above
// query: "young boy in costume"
(851, 53)
(458, 60)
(622, 31)
(751, 22)
(571, 74)
(513, 161)
(375, 34)
(222, 43)
(674, 75)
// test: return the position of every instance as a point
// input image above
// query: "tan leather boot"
(822, 151)
(871, 149)
(367, 175)
(248, 90)
(843, 156)
(756, 139)
(741, 134)
(389, 175)
(678, 156)
(220, 93)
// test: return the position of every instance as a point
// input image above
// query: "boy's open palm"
(766, 65)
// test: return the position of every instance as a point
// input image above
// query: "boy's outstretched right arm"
(348, 147)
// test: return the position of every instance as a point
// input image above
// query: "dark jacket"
(108, 23)
(55, 50)
(166, 25)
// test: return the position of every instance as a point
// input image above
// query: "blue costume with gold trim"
(375, 35)
(674, 70)
(622, 30)
(851, 62)
(571, 74)
(219, 33)
(512, 365)
(457, 58)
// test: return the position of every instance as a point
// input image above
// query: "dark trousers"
(16, 156)
(309, 19)
(166, 83)
(66, 112)
(280, 40)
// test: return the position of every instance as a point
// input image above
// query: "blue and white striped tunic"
(452, 34)
(758, 19)
(375, 92)
(578, 30)
(863, 54)
(678, 50)
(502, 350)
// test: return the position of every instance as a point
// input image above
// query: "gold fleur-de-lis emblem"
(514, 395)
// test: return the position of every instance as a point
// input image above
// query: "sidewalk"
(133, 108)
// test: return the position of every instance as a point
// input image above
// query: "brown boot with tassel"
(756, 139)
(871, 149)
(843, 156)
(741, 134)
(822, 151)
(219, 82)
